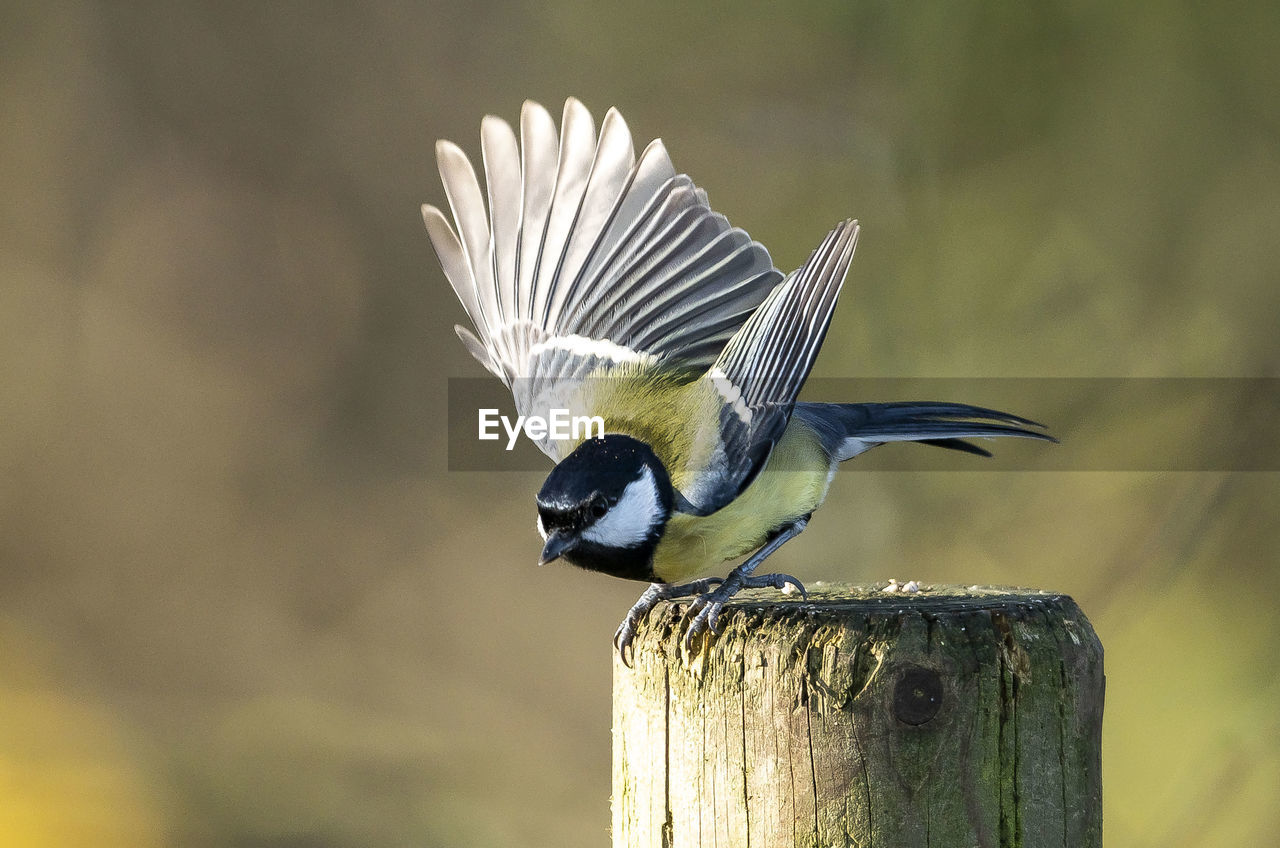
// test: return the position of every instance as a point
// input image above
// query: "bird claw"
(622, 639)
(709, 597)
(706, 608)
(776, 581)
(626, 632)
(656, 593)
(706, 620)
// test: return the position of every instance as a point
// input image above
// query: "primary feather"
(587, 259)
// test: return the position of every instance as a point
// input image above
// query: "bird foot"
(706, 607)
(655, 594)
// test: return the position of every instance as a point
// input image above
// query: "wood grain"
(953, 717)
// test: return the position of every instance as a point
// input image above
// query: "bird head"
(604, 506)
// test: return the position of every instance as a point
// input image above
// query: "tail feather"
(848, 429)
(957, 445)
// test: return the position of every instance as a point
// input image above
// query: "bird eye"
(599, 507)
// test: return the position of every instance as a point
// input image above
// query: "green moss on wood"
(957, 716)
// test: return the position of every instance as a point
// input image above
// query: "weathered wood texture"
(954, 717)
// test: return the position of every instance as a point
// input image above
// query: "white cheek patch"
(542, 531)
(630, 521)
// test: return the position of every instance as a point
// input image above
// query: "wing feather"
(587, 258)
(761, 369)
(502, 179)
(539, 152)
(477, 349)
(471, 219)
(652, 171)
(453, 259)
(577, 148)
(610, 173)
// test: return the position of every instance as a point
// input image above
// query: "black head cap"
(605, 505)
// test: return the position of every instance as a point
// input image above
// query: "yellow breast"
(679, 419)
(792, 484)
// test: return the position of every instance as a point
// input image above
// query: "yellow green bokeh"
(242, 600)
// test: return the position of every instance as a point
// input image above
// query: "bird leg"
(706, 606)
(709, 601)
(657, 592)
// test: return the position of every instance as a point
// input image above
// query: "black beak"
(557, 543)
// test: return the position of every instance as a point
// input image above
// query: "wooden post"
(953, 717)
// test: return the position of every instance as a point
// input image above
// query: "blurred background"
(244, 602)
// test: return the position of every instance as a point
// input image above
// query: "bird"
(601, 282)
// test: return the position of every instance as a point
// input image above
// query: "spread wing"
(760, 372)
(586, 260)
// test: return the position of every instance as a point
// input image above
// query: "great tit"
(604, 284)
